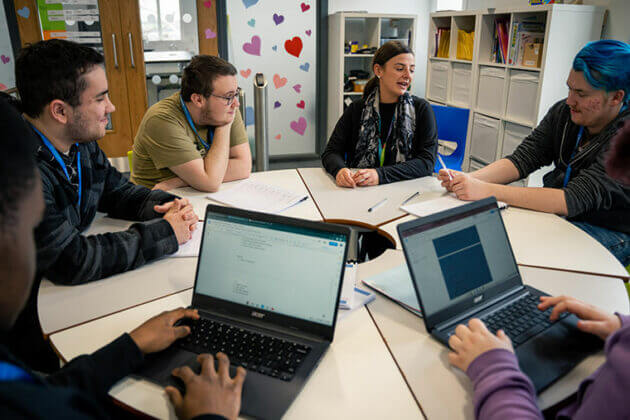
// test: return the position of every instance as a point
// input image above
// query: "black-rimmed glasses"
(228, 99)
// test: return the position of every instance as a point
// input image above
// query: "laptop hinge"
(266, 326)
(507, 295)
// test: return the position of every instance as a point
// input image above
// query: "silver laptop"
(462, 267)
(267, 289)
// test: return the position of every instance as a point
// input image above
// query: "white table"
(352, 204)
(357, 377)
(445, 392)
(548, 241)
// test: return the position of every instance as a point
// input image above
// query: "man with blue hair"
(574, 136)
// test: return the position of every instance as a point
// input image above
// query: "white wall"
(421, 8)
(616, 27)
(7, 76)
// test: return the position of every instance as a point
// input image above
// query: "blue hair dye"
(606, 65)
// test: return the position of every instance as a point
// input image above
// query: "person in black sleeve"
(79, 389)
(64, 98)
(389, 134)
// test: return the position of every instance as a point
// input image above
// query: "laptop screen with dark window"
(284, 269)
(454, 259)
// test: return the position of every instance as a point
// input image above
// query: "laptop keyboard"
(255, 352)
(521, 319)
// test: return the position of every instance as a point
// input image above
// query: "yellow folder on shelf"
(445, 40)
(465, 41)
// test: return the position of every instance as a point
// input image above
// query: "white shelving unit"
(368, 29)
(506, 101)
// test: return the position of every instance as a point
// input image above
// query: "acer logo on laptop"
(478, 299)
(258, 314)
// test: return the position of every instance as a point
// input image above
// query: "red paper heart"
(246, 73)
(301, 104)
(293, 46)
(278, 137)
(305, 7)
(207, 4)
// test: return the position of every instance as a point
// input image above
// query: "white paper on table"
(449, 201)
(252, 195)
(347, 288)
(191, 248)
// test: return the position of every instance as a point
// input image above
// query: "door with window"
(146, 44)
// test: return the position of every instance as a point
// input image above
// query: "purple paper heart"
(4, 59)
(276, 104)
(252, 47)
(299, 126)
(308, 32)
(278, 19)
(210, 34)
(297, 88)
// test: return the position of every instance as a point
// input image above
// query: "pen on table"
(448, 171)
(410, 198)
(377, 205)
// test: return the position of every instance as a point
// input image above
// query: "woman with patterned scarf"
(388, 135)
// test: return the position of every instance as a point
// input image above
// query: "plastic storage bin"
(462, 80)
(513, 135)
(522, 93)
(490, 93)
(484, 138)
(439, 81)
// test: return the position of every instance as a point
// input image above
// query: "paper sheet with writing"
(449, 201)
(395, 283)
(191, 248)
(252, 195)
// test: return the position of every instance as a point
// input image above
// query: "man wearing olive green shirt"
(195, 137)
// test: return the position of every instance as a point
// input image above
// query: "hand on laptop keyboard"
(470, 341)
(210, 392)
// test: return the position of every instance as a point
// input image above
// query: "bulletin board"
(278, 39)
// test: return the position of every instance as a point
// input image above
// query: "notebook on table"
(267, 289)
(462, 267)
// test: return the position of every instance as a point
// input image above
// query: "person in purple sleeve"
(502, 391)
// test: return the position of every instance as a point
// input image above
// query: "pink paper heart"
(305, 7)
(252, 47)
(4, 59)
(3, 87)
(301, 104)
(308, 32)
(297, 88)
(207, 4)
(246, 73)
(210, 33)
(299, 126)
(279, 81)
(278, 137)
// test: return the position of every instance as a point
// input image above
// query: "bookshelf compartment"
(522, 96)
(485, 138)
(494, 38)
(490, 92)
(461, 84)
(441, 37)
(363, 31)
(438, 85)
(463, 37)
(396, 30)
(526, 28)
(513, 135)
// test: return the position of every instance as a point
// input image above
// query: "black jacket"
(591, 195)
(341, 147)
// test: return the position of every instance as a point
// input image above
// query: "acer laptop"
(267, 289)
(462, 267)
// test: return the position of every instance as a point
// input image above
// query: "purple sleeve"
(502, 391)
(605, 394)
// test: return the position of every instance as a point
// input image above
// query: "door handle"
(133, 62)
(115, 51)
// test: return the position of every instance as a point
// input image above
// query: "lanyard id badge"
(192, 125)
(567, 174)
(59, 160)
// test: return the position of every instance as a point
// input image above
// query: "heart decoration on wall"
(305, 66)
(251, 22)
(301, 104)
(278, 137)
(305, 7)
(4, 59)
(276, 104)
(278, 19)
(252, 47)
(294, 46)
(246, 73)
(299, 126)
(279, 81)
(207, 4)
(210, 34)
(297, 88)
(25, 12)
(249, 3)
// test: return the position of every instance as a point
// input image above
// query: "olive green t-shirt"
(165, 139)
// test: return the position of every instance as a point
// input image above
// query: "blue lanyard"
(9, 372)
(567, 174)
(381, 147)
(59, 160)
(192, 125)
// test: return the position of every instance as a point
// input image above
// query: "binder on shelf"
(500, 45)
(465, 41)
(442, 42)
